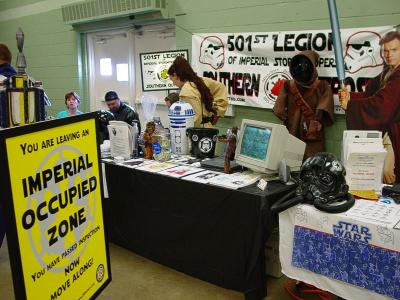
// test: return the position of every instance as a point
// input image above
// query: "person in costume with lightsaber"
(378, 108)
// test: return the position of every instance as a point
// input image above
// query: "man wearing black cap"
(120, 110)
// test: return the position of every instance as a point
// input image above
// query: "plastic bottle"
(158, 123)
(135, 139)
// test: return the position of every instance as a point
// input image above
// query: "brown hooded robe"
(320, 100)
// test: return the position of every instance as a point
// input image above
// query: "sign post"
(51, 190)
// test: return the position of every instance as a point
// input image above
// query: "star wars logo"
(269, 82)
(353, 232)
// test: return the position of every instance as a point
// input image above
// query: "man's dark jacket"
(127, 114)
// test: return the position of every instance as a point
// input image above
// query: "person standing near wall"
(72, 102)
(378, 108)
(209, 98)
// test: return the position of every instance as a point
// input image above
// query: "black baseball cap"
(111, 95)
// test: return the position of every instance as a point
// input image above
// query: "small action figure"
(147, 136)
(230, 149)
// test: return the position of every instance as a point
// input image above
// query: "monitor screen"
(262, 146)
(255, 142)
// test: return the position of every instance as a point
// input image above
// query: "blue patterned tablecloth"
(353, 261)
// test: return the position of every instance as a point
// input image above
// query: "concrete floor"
(137, 278)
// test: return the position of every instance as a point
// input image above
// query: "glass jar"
(161, 144)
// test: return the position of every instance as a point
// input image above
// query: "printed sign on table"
(154, 68)
(52, 193)
(251, 63)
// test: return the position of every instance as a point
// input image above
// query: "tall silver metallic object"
(21, 61)
(337, 41)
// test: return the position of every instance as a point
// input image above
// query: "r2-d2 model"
(181, 117)
(22, 100)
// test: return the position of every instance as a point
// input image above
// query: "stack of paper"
(349, 135)
(363, 158)
(236, 180)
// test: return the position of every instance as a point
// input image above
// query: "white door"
(111, 66)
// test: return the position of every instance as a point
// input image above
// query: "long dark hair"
(184, 71)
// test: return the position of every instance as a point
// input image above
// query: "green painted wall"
(55, 52)
(51, 53)
(275, 15)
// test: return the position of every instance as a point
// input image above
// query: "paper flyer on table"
(236, 180)
(136, 163)
(364, 170)
(182, 160)
(202, 177)
(156, 166)
(180, 171)
(375, 212)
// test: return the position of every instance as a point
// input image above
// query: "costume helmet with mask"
(303, 67)
(322, 183)
(322, 178)
(104, 116)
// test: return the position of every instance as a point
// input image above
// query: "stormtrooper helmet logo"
(212, 52)
(362, 51)
(322, 177)
(205, 145)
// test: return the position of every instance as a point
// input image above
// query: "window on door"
(111, 63)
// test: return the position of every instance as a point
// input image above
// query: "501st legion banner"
(251, 63)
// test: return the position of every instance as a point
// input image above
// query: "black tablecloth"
(212, 233)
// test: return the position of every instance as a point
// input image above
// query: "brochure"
(121, 141)
(364, 170)
(202, 177)
(236, 180)
(180, 171)
(156, 166)
(136, 162)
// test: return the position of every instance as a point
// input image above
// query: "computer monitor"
(263, 145)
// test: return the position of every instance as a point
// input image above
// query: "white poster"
(154, 68)
(250, 64)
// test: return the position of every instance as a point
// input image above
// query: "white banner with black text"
(250, 64)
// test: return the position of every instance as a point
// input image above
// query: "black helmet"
(322, 177)
(104, 116)
(322, 182)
